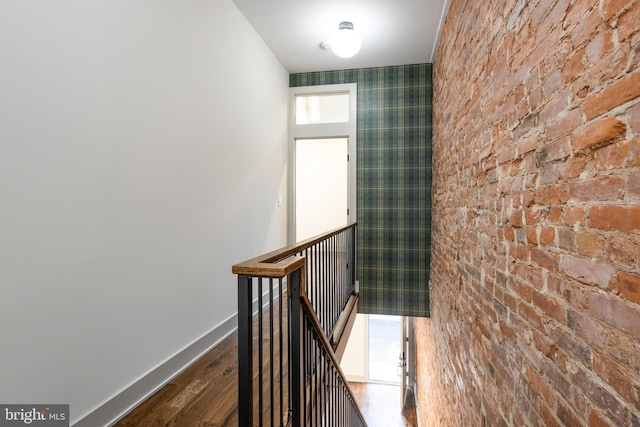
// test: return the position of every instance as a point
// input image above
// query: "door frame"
(321, 131)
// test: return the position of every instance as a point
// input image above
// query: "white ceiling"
(394, 32)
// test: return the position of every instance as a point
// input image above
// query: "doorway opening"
(374, 350)
(322, 159)
(385, 343)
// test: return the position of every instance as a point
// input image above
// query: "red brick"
(634, 118)
(509, 233)
(556, 106)
(548, 175)
(572, 168)
(621, 91)
(601, 188)
(537, 383)
(548, 236)
(539, 11)
(542, 343)
(573, 67)
(589, 244)
(557, 150)
(532, 235)
(634, 184)
(586, 27)
(623, 154)
(570, 290)
(529, 314)
(531, 216)
(548, 418)
(510, 302)
(545, 259)
(599, 46)
(549, 306)
(613, 311)
(567, 239)
(535, 100)
(597, 76)
(621, 250)
(598, 133)
(621, 218)
(557, 379)
(599, 395)
(555, 215)
(578, 11)
(551, 84)
(506, 155)
(516, 219)
(528, 274)
(552, 194)
(574, 216)
(587, 328)
(566, 415)
(586, 270)
(613, 7)
(629, 286)
(597, 420)
(564, 124)
(612, 373)
(527, 144)
(521, 289)
(554, 19)
(628, 22)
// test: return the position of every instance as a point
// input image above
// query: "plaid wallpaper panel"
(393, 184)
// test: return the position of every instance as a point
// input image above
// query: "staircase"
(296, 306)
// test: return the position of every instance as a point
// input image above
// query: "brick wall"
(535, 274)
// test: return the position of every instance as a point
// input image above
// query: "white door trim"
(325, 130)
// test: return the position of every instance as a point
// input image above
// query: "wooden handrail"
(267, 264)
(264, 269)
(306, 305)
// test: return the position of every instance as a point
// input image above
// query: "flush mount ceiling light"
(345, 42)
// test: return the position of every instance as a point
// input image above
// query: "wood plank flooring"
(205, 395)
(382, 405)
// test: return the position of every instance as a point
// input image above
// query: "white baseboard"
(116, 408)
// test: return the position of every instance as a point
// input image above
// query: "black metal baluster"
(260, 355)
(315, 382)
(280, 339)
(324, 285)
(289, 350)
(271, 353)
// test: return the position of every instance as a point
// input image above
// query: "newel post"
(245, 352)
(296, 285)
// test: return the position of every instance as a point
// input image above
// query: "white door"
(321, 186)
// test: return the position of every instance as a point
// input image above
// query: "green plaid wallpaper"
(393, 186)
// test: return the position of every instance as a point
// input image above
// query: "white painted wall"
(355, 361)
(142, 151)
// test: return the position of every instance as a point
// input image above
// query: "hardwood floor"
(205, 395)
(382, 405)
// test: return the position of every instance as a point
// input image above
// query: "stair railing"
(289, 302)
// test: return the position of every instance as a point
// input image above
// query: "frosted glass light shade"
(345, 42)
